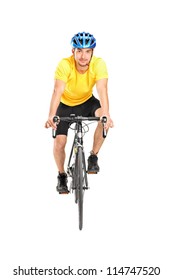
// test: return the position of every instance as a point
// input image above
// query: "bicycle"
(76, 169)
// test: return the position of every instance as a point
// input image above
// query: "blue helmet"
(83, 40)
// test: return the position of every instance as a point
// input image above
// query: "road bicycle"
(76, 167)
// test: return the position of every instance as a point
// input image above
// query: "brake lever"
(53, 133)
(55, 120)
(104, 120)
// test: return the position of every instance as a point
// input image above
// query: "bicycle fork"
(78, 142)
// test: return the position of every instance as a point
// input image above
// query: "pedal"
(64, 192)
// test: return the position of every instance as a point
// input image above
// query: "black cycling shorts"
(86, 109)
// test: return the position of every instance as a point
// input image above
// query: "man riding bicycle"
(75, 78)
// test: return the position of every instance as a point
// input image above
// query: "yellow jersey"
(79, 87)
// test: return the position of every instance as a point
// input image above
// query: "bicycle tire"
(80, 190)
(74, 183)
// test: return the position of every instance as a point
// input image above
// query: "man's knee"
(60, 142)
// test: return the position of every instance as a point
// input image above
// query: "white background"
(128, 209)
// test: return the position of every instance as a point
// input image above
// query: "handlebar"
(76, 119)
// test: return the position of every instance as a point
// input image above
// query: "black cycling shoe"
(93, 167)
(62, 184)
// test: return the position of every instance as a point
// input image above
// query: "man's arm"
(59, 88)
(102, 89)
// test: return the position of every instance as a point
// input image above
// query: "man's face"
(82, 56)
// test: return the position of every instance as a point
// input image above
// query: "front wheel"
(79, 185)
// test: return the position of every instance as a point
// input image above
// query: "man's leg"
(97, 143)
(98, 139)
(59, 151)
(98, 135)
(59, 155)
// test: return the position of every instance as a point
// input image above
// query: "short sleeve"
(62, 71)
(100, 69)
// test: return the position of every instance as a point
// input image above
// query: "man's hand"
(109, 122)
(50, 123)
